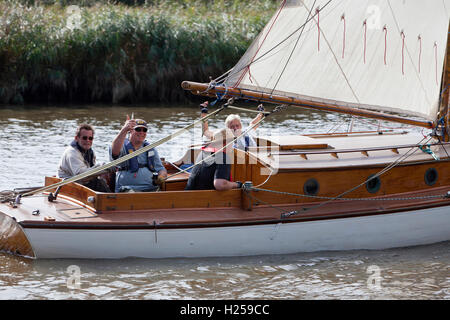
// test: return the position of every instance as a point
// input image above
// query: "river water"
(31, 143)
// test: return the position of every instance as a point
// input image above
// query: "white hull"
(371, 232)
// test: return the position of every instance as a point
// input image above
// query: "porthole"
(431, 176)
(373, 184)
(311, 187)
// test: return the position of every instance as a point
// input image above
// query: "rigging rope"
(318, 28)
(402, 34)
(268, 31)
(7, 195)
(365, 39)
(122, 159)
(419, 38)
(419, 79)
(386, 169)
(385, 43)
(343, 37)
(234, 72)
(435, 58)
(265, 114)
(295, 46)
(440, 196)
(340, 196)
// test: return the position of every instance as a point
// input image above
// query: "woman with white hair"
(234, 123)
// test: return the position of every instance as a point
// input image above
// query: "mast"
(208, 90)
(444, 104)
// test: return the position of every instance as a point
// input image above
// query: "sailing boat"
(378, 59)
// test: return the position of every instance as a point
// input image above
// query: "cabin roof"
(341, 150)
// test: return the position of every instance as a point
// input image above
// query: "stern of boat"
(13, 238)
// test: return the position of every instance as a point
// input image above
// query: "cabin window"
(431, 176)
(311, 187)
(373, 184)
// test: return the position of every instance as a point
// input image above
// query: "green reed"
(127, 52)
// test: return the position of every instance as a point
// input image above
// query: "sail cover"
(381, 55)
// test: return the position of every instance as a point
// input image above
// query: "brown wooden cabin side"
(404, 178)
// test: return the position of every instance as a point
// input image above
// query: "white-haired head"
(223, 134)
(233, 122)
(222, 138)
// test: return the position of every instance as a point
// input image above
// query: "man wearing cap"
(213, 169)
(136, 174)
(79, 158)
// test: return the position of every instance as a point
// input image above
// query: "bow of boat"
(13, 238)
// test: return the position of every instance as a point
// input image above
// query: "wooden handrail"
(335, 151)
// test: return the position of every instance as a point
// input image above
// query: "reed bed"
(122, 51)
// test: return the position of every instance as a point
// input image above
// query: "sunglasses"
(86, 138)
(140, 129)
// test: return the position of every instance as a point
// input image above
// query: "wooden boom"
(206, 90)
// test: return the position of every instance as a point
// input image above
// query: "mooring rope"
(7, 195)
(440, 196)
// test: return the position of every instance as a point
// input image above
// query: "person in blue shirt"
(136, 174)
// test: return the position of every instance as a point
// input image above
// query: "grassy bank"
(128, 51)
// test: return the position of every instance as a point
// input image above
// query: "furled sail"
(375, 54)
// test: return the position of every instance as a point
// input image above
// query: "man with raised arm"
(136, 174)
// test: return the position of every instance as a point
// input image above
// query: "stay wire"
(231, 73)
(293, 49)
(220, 150)
(386, 169)
(400, 159)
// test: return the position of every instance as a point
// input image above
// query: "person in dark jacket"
(213, 169)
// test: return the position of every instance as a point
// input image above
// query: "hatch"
(291, 142)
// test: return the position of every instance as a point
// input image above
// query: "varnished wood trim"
(12, 237)
(371, 166)
(201, 88)
(335, 151)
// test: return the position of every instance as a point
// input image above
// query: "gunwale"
(231, 217)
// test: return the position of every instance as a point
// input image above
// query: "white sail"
(376, 54)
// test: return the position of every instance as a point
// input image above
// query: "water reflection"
(407, 273)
